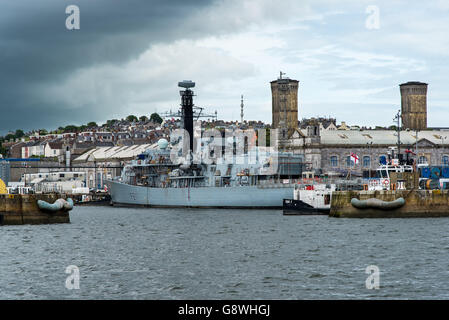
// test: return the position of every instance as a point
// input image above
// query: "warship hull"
(202, 197)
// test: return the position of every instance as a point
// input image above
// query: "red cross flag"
(354, 158)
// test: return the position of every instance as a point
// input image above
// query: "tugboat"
(395, 164)
(310, 197)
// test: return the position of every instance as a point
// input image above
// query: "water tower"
(414, 105)
(284, 93)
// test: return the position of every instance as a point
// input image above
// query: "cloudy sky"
(128, 56)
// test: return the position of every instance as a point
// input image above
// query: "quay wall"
(16, 209)
(418, 203)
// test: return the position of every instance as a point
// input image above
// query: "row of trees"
(110, 123)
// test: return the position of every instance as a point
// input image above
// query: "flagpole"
(355, 159)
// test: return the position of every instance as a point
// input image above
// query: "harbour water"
(125, 253)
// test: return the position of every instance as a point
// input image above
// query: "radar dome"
(162, 143)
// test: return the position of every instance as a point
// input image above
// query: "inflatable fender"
(374, 203)
(58, 205)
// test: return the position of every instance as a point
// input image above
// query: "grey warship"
(257, 177)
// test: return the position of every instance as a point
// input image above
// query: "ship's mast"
(187, 109)
(398, 128)
(241, 110)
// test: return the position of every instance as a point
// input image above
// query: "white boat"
(311, 196)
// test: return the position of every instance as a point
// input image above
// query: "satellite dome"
(162, 143)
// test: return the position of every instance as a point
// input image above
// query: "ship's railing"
(154, 162)
(48, 188)
(277, 183)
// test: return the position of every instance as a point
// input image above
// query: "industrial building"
(328, 150)
(104, 163)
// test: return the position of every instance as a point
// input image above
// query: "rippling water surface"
(127, 253)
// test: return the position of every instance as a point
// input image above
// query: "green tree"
(111, 122)
(3, 151)
(43, 132)
(156, 118)
(19, 133)
(143, 118)
(92, 124)
(131, 118)
(9, 137)
(70, 128)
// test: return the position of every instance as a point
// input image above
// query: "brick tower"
(284, 93)
(414, 105)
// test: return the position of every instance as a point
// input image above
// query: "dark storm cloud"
(36, 49)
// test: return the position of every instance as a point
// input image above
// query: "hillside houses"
(55, 145)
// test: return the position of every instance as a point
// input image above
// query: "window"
(334, 161)
(422, 159)
(366, 161)
(383, 160)
(445, 161)
(349, 161)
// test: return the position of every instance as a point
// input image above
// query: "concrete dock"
(16, 209)
(418, 204)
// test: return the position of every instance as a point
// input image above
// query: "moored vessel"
(217, 169)
(311, 196)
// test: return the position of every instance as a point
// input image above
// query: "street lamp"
(398, 119)
(417, 153)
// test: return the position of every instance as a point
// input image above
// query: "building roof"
(55, 145)
(385, 137)
(115, 153)
(411, 83)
